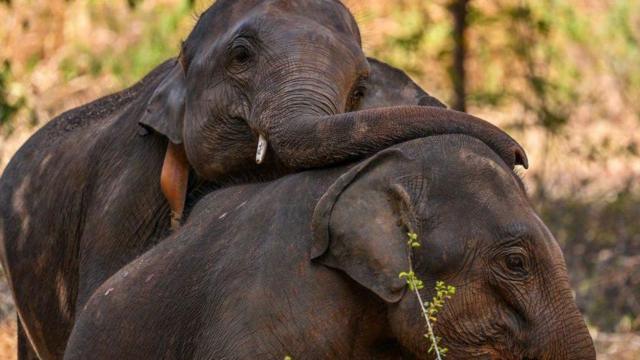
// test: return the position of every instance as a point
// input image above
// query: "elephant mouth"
(262, 145)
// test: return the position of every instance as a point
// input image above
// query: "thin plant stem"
(424, 313)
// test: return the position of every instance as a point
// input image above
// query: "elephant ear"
(388, 86)
(165, 115)
(165, 109)
(358, 229)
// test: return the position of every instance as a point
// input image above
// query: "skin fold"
(245, 278)
(99, 185)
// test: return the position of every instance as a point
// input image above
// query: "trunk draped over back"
(305, 141)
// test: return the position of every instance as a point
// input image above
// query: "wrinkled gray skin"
(308, 266)
(82, 198)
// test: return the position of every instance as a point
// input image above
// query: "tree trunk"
(459, 10)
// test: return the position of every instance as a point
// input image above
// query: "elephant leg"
(25, 350)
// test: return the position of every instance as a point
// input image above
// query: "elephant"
(308, 266)
(260, 89)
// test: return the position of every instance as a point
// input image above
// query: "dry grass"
(8, 344)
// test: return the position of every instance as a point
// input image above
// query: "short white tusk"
(262, 149)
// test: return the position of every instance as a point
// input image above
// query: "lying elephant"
(308, 266)
(84, 196)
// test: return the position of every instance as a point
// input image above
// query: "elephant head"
(286, 83)
(478, 232)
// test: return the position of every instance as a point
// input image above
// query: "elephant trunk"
(575, 342)
(305, 141)
(571, 338)
(566, 333)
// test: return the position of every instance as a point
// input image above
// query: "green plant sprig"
(431, 308)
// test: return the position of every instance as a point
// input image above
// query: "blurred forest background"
(562, 76)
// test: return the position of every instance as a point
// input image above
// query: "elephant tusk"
(262, 149)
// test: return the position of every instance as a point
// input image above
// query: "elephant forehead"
(486, 172)
(317, 28)
(330, 13)
(471, 182)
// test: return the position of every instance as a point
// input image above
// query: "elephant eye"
(357, 93)
(516, 263)
(240, 54)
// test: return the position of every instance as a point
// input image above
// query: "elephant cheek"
(216, 158)
(202, 161)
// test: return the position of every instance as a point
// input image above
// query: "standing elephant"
(308, 266)
(283, 81)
